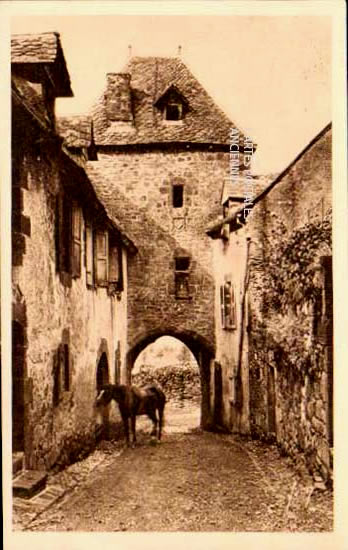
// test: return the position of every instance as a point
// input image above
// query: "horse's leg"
(126, 428)
(160, 421)
(151, 413)
(133, 423)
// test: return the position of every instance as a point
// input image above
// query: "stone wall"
(290, 317)
(142, 184)
(179, 382)
(89, 320)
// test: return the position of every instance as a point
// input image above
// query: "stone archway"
(203, 353)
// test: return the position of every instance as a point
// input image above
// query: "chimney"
(118, 97)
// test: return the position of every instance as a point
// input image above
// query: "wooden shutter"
(76, 217)
(233, 308)
(66, 222)
(222, 305)
(89, 255)
(115, 260)
(101, 257)
(227, 302)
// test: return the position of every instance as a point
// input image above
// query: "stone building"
(278, 357)
(69, 267)
(163, 155)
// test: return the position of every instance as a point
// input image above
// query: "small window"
(115, 263)
(182, 264)
(178, 196)
(102, 257)
(76, 217)
(89, 255)
(68, 236)
(228, 306)
(173, 111)
(182, 288)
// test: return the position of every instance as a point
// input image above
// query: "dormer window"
(173, 111)
(173, 105)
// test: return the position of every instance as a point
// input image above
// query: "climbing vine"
(288, 288)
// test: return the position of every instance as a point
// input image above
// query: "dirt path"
(191, 482)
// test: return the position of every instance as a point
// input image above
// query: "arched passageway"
(170, 363)
(190, 348)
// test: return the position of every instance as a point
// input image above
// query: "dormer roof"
(170, 93)
(151, 79)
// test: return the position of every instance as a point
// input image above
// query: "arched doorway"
(200, 354)
(102, 371)
(18, 375)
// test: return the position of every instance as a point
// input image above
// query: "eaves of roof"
(238, 218)
(42, 53)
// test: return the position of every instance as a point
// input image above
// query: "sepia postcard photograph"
(174, 256)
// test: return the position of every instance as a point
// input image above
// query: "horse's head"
(104, 396)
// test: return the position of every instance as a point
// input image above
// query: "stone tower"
(163, 158)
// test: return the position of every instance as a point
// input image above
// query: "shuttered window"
(182, 288)
(89, 255)
(228, 306)
(76, 220)
(115, 260)
(68, 236)
(63, 234)
(101, 257)
(222, 305)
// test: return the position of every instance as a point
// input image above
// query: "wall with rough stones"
(91, 321)
(291, 360)
(142, 182)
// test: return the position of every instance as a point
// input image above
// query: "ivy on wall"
(288, 288)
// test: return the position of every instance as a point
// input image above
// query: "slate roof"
(151, 77)
(103, 184)
(76, 130)
(30, 51)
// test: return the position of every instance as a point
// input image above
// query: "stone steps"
(28, 483)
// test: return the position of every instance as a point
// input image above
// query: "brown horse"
(132, 402)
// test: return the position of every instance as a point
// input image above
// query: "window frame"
(173, 104)
(68, 237)
(178, 187)
(228, 305)
(181, 278)
(111, 257)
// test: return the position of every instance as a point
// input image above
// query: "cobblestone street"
(192, 481)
